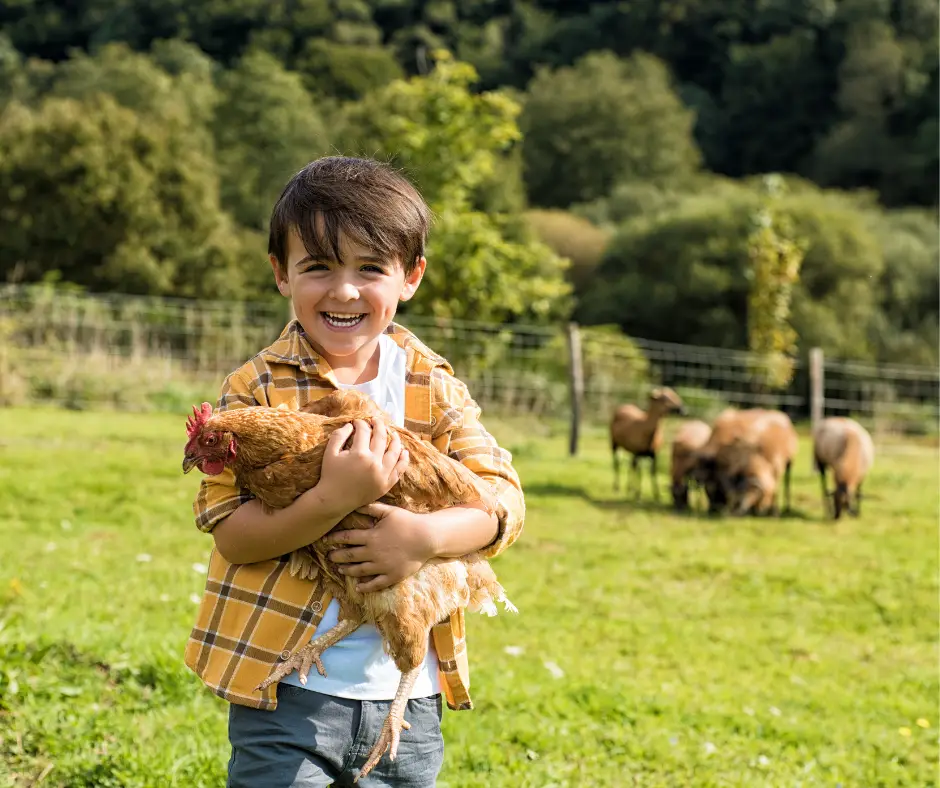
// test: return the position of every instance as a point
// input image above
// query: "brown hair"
(365, 199)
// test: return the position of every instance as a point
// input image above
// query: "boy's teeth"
(342, 320)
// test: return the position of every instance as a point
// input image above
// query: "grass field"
(650, 650)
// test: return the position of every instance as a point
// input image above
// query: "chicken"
(277, 454)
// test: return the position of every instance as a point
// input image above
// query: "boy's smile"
(345, 305)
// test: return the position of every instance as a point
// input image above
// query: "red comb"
(199, 417)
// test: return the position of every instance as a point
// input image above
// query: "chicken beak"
(189, 463)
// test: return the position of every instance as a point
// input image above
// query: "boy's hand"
(396, 547)
(353, 477)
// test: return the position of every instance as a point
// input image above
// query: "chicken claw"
(393, 725)
(308, 656)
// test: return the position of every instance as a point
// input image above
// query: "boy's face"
(344, 306)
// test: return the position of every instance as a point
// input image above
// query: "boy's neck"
(360, 367)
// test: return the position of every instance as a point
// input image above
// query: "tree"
(680, 276)
(484, 266)
(266, 128)
(601, 122)
(111, 200)
(775, 258)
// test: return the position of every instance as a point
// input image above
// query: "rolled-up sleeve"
(458, 432)
(219, 495)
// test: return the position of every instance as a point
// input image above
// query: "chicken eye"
(212, 439)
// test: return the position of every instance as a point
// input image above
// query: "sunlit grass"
(650, 649)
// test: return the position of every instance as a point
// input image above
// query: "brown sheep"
(730, 425)
(845, 445)
(751, 466)
(640, 433)
(689, 439)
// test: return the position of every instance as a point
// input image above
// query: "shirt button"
(285, 655)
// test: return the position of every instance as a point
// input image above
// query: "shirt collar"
(292, 347)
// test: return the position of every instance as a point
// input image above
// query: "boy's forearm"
(461, 530)
(251, 534)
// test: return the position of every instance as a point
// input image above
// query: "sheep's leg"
(825, 492)
(308, 656)
(858, 502)
(786, 489)
(394, 722)
(653, 472)
(635, 477)
(616, 468)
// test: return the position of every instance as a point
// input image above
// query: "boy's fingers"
(354, 536)
(361, 437)
(377, 510)
(400, 467)
(348, 555)
(375, 584)
(338, 438)
(379, 435)
(367, 569)
(393, 452)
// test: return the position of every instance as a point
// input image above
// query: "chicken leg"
(303, 659)
(394, 722)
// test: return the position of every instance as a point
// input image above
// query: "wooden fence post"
(817, 387)
(576, 384)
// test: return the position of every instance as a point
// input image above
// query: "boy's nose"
(345, 291)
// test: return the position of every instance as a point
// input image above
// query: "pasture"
(650, 649)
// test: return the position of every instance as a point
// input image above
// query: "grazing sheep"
(752, 465)
(690, 438)
(730, 425)
(640, 433)
(845, 445)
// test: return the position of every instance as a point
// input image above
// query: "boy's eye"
(373, 268)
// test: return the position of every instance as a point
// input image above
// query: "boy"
(346, 245)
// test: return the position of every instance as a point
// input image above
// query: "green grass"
(694, 652)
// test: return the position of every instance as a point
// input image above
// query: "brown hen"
(277, 454)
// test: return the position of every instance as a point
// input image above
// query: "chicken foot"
(394, 722)
(304, 658)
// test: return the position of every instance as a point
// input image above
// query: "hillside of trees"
(602, 160)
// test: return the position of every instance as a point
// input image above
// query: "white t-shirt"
(357, 666)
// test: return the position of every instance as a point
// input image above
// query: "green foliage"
(112, 199)
(603, 121)
(571, 236)
(346, 71)
(442, 135)
(476, 270)
(775, 260)
(266, 128)
(451, 142)
(680, 274)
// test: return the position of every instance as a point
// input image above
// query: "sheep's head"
(665, 400)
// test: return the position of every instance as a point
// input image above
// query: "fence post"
(576, 384)
(817, 388)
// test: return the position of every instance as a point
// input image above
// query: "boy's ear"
(413, 279)
(280, 276)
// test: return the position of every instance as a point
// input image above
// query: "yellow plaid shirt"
(253, 615)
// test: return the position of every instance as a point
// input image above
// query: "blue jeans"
(313, 741)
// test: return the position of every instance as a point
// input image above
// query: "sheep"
(744, 459)
(691, 437)
(730, 425)
(640, 433)
(751, 466)
(845, 445)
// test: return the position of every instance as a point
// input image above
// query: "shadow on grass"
(627, 502)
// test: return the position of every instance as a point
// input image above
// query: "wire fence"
(76, 350)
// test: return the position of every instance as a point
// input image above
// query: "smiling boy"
(347, 242)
